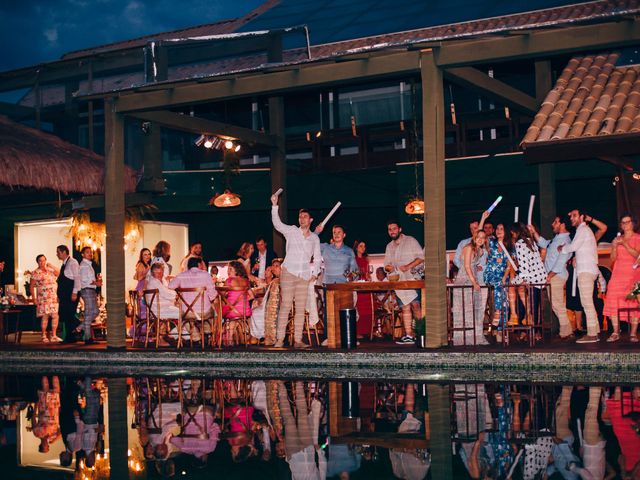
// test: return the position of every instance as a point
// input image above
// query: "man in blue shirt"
(556, 265)
(338, 258)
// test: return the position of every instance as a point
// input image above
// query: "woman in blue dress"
(495, 274)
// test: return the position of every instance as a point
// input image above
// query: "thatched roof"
(31, 158)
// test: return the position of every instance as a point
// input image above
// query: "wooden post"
(152, 180)
(278, 165)
(546, 171)
(440, 431)
(90, 139)
(434, 200)
(118, 434)
(114, 223)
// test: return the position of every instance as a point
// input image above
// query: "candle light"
(516, 214)
(333, 210)
(532, 200)
(495, 204)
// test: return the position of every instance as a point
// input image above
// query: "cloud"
(134, 13)
(51, 34)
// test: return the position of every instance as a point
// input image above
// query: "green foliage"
(421, 326)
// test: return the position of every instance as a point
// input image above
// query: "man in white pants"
(555, 263)
(585, 247)
(301, 265)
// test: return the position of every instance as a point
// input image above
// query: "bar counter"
(340, 295)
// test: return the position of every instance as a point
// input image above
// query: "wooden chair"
(197, 312)
(238, 307)
(139, 319)
(154, 317)
(191, 410)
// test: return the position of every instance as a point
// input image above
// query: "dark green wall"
(369, 199)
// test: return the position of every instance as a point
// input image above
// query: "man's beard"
(394, 237)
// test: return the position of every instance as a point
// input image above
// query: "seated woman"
(237, 305)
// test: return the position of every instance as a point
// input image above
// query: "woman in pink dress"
(43, 287)
(624, 252)
(364, 307)
(237, 304)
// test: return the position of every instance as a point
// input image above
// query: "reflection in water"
(206, 427)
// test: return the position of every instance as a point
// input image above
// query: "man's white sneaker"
(406, 340)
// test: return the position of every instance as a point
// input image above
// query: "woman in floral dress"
(43, 289)
(495, 274)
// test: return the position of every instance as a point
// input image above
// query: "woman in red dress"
(625, 249)
(364, 307)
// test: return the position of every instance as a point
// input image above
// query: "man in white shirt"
(68, 289)
(88, 284)
(401, 255)
(585, 247)
(301, 265)
(196, 276)
(195, 250)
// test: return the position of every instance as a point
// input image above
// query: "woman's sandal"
(614, 337)
(633, 338)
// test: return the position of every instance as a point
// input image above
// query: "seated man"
(196, 276)
(166, 296)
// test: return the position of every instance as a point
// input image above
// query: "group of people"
(72, 412)
(262, 290)
(514, 431)
(517, 263)
(57, 291)
(274, 423)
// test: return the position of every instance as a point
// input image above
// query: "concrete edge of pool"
(427, 366)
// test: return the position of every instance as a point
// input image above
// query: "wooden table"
(340, 295)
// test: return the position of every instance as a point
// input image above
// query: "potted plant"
(420, 329)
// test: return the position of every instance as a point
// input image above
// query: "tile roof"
(585, 12)
(591, 97)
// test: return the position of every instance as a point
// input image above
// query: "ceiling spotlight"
(208, 143)
(228, 144)
(237, 149)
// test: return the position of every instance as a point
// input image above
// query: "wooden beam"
(434, 200)
(114, 224)
(619, 162)
(583, 148)
(74, 69)
(278, 165)
(538, 43)
(97, 201)
(479, 81)
(199, 125)
(547, 171)
(298, 76)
